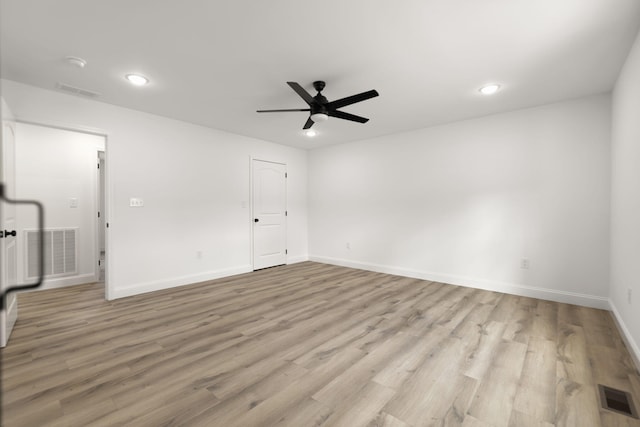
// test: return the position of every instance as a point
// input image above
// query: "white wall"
(54, 166)
(195, 183)
(625, 200)
(463, 203)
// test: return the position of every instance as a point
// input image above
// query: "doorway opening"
(62, 168)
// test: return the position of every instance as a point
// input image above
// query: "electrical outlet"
(348, 245)
(524, 263)
(629, 292)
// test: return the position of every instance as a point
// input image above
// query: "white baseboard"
(62, 282)
(631, 344)
(586, 300)
(297, 259)
(8, 319)
(142, 288)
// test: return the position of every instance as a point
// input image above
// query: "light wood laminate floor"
(311, 345)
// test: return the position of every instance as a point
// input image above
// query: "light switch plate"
(135, 202)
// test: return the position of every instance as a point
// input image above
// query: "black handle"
(38, 282)
(8, 233)
(256, 220)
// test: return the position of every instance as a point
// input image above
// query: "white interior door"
(269, 214)
(8, 248)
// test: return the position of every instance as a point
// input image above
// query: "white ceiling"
(215, 62)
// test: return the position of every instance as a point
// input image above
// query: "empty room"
(361, 213)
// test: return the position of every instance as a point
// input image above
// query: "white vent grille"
(77, 90)
(59, 252)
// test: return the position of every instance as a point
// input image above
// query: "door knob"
(256, 220)
(8, 233)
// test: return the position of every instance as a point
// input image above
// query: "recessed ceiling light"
(310, 133)
(137, 79)
(489, 89)
(75, 61)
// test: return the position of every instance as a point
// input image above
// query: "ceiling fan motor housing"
(318, 85)
(321, 109)
(318, 108)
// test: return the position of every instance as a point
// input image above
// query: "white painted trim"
(12, 316)
(632, 346)
(96, 221)
(62, 126)
(108, 287)
(61, 282)
(297, 259)
(9, 320)
(251, 217)
(586, 300)
(141, 288)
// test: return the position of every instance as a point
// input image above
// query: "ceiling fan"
(320, 109)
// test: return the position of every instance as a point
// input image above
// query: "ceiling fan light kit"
(319, 117)
(320, 109)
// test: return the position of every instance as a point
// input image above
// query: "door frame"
(252, 207)
(100, 194)
(108, 291)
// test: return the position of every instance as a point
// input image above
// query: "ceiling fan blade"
(308, 124)
(278, 111)
(343, 102)
(300, 91)
(347, 116)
